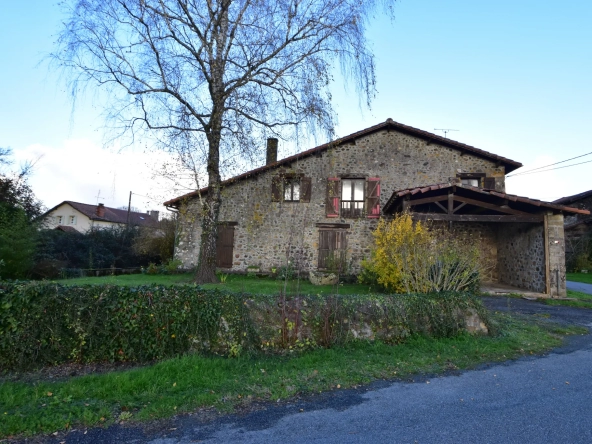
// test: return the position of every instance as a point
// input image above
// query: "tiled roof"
(66, 229)
(389, 124)
(511, 197)
(570, 199)
(113, 215)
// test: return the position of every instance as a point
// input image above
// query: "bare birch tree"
(224, 72)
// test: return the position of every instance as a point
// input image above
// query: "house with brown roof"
(324, 203)
(69, 216)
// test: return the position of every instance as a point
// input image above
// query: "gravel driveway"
(579, 286)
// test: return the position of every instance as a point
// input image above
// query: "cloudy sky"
(512, 77)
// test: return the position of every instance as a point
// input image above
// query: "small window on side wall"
(477, 180)
(72, 220)
(291, 189)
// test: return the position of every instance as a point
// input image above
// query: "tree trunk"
(206, 265)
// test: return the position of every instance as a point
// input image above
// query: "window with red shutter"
(373, 198)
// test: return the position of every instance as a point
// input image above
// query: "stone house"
(321, 206)
(69, 216)
(578, 227)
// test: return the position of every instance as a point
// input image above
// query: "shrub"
(45, 324)
(410, 258)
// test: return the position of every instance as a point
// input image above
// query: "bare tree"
(224, 73)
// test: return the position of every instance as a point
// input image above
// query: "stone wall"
(521, 255)
(484, 236)
(269, 233)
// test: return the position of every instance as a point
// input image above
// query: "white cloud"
(78, 169)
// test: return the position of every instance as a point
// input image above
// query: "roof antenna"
(98, 196)
(445, 131)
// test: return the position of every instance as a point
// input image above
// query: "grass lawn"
(584, 300)
(234, 282)
(190, 382)
(586, 278)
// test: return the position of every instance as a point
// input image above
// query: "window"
(472, 179)
(291, 188)
(471, 182)
(59, 220)
(72, 220)
(353, 198)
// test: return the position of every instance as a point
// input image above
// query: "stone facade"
(268, 234)
(521, 256)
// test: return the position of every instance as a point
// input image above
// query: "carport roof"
(472, 203)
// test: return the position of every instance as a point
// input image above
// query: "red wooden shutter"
(333, 196)
(276, 189)
(373, 198)
(305, 189)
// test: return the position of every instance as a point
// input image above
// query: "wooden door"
(332, 247)
(224, 246)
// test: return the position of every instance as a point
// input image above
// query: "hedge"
(45, 324)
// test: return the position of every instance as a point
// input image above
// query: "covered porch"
(521, 240)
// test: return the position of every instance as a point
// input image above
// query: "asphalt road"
(579, 286)
(532, 400)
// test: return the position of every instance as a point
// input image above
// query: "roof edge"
(510, 164)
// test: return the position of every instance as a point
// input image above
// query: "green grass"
(586, 278)
(584, 300)
(234, 282)
(190, 382)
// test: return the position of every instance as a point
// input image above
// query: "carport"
(521, 240)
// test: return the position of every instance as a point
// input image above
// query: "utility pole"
(129, 209)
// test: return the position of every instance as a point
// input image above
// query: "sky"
(511, 77)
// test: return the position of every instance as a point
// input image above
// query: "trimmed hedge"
(47, 324)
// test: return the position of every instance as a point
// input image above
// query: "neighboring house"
(81, 217)
(323, 204)
(578, 227)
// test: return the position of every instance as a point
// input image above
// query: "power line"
(552, 169)
(546, 166)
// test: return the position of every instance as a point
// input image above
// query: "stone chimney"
(154, 214)
(101, 210)
(272, 148)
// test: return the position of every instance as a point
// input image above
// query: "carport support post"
(547, 256)
(555, 255)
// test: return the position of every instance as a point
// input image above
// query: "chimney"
(153, 214)
(272, 147)
(101, 210)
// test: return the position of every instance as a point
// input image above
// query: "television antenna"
(445, 130)
(98, 196)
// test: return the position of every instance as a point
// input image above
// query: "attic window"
(72, 220)
(477, 180)
(59, 220)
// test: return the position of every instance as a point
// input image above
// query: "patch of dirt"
(66, 371)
